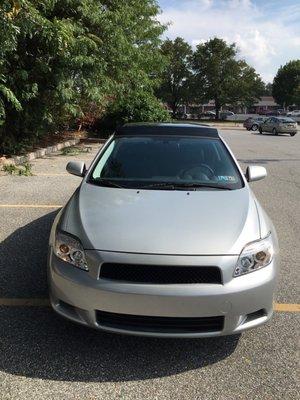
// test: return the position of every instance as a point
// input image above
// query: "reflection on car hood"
(161, 221)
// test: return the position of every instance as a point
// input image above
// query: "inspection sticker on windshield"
(226, 178)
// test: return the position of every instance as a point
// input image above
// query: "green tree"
(134, 60)
(247, 86)
(286, 84)
(8, 33)
(62, 55)
(135, 107)
(268, 89)
(52, 66)
(176, 77)
(222, 77)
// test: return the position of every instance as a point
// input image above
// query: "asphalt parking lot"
(46, 357)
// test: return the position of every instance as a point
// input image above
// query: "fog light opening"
(67, 308)
(255, 315)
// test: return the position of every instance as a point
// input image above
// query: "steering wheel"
(197, 168)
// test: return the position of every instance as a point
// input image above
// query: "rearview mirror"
(255, 173)
(77, 168)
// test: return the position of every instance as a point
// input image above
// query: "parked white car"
(226, 114)
(295, 113)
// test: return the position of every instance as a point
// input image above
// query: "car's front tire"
(293, 134)
(254, 127)
(260, 130)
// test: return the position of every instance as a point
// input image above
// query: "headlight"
(69, 249)
(255, 255)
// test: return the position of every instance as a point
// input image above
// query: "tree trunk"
(218, 107)
(174, 108)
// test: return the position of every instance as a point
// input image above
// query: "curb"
(40, 152)
(93, 140)
(226, 126)
(230, 128)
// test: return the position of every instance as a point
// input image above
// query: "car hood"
(202, 222)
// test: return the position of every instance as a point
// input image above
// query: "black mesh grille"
(160, 274)
(143, 323)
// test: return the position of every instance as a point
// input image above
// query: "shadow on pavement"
(37, 343)
(24, 259)
(267, 160)
(281, 135)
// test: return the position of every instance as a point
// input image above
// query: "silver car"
(278, 125)
(164, 237)
(253, 123)
(295, 113)
(225, 114)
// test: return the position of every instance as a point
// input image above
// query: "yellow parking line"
(279, 307)
(285, 307)
(30, 206)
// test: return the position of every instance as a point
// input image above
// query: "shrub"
(141, 107)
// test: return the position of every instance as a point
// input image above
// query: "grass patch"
(75, 150)
(21, 170)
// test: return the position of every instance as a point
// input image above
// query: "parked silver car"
(295, 113)
(253, 123)
(278, 125)
(207, 115)
(164, 237)
(225, 114)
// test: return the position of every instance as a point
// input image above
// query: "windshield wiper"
(159, 185)
(191, 185)
(107, 182)
(182, 186)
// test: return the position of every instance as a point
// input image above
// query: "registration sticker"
(226, 178)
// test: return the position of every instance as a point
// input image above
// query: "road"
(46, 357)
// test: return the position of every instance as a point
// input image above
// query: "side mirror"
(255, 173)
(77, 168)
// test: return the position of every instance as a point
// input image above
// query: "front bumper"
(287, 129)
(244, 302)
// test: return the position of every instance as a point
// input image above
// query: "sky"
(267, 32)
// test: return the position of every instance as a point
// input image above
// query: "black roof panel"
(142, 128)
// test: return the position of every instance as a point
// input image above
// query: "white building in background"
(266, 103)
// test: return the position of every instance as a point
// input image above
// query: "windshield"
(286, 120)
(165, 162)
